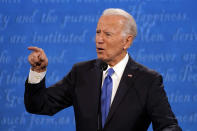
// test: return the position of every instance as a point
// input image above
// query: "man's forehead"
(111, 20)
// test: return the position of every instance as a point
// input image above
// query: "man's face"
(109, 39)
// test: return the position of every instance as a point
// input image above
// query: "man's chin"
(101, 58)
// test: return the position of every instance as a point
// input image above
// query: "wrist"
(39, 70)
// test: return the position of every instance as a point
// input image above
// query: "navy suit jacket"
(139, 100)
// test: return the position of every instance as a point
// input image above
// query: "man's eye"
(108, 34)
(98, 31)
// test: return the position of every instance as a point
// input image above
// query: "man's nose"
(100, 39)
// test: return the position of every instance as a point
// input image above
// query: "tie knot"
(110, 71)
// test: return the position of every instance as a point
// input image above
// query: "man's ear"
(128, 41)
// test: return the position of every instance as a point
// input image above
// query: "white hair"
(130, 24)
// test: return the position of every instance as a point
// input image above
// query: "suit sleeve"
(159, 108)
(47, 101)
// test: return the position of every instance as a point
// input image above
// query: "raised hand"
(37, 59)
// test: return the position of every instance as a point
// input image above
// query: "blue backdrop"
(65, 29)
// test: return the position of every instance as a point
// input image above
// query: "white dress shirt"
(117, 75)
(35, 77)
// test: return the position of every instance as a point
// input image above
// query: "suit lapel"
(95, 79)
(125, 83)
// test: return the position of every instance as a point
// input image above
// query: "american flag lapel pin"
(130, 75)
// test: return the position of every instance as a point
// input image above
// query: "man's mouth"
(99, 49)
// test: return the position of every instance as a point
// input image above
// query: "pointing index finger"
(33, 48)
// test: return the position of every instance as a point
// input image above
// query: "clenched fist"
(37, 59)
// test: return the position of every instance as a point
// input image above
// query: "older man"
(111, 93)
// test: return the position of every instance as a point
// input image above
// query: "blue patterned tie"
(106, 95)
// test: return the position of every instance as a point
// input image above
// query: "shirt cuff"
(35, 77)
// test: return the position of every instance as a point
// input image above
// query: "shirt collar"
(119, 67)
